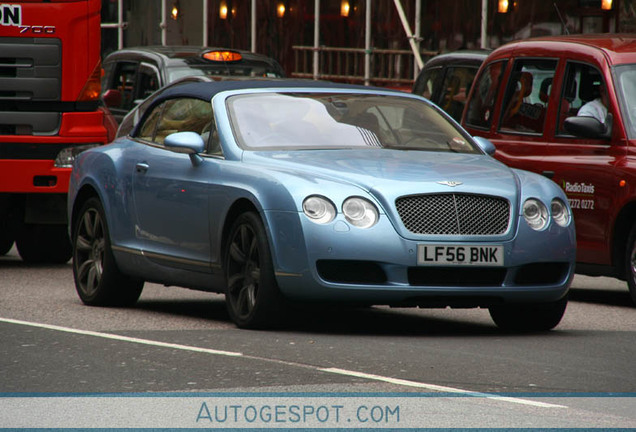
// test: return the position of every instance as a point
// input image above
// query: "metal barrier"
(392, 68)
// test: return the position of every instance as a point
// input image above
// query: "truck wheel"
(98, 281)
(38, 243)
(533, 317)
(252, 297)
(630, 263)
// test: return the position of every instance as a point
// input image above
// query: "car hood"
(393, 173)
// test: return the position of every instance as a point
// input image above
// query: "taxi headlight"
(67, 155)
(319, 209)
(360, 212)
(535, 213)
(560, 212)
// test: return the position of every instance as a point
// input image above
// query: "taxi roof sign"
(222, 56)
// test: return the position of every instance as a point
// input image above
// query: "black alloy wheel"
(98, 280)
(252, 297)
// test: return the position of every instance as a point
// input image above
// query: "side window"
(185, 115)
(124, 82)
(149, 127)
(425, 85)
(148, 81)
(583, 86)
(527, 95)
(481, 106)
(455, 89)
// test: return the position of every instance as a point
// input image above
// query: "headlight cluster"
(67, 155)
(357, 211)
(537, 216)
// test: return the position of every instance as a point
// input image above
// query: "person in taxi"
(596, 108)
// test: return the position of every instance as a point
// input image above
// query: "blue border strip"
(325, 394)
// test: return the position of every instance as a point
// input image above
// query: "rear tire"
(252, 297)
(532, 317)
(44, 244)
(630, 263)
(98, 280)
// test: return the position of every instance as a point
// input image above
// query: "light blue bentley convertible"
(275, 192)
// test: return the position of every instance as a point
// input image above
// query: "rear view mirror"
(112, 98)
(486, 145)
(589, 127)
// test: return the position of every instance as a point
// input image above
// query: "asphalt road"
(181, 342)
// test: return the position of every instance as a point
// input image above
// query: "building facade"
(348, 33)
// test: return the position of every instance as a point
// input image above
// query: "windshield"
(308, 121)
(220, 69)
(626, 92)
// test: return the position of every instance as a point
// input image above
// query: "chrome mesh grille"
(454, 214)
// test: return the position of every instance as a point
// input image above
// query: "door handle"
(548, 174)
(142, 167)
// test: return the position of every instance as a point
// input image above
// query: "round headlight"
(319, 209)
(360, 212)
(560, 212)
(535, 214)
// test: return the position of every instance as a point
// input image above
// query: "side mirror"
(112, 98)
(189, 143)
(589, 127)
(486, 145)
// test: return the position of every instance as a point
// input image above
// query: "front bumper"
(338, 262)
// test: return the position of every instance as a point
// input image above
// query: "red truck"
(50, 70)
(565, 107)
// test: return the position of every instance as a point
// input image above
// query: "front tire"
(98, 280)
(532, 317)
(630, 263)
(252, 297)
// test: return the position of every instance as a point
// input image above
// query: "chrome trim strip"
(170, 258)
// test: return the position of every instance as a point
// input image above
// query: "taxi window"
(124, 81)
(455, 87)
(425, 85)
(582, 84)
(527, 95)
(626, 89)
(178, 115)
(481, 106)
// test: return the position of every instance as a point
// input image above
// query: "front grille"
(454, 214)
(30, 69)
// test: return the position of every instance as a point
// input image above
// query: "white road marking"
(395, 381)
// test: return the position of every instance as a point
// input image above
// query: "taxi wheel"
(533, 317)
(252, 296)
(630, 263)
(98, 281)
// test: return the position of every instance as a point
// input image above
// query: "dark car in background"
(446, 79)
(133, 74)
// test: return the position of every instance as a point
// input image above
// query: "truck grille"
(30, 69)
(454, 214)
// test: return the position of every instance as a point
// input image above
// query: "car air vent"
(454, 214)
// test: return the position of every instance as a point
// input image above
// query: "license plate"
(440, 254)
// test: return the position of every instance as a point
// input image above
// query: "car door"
(517, 122)
(586, 168)
(170, 193)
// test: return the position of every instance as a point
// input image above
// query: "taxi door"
(586, 167)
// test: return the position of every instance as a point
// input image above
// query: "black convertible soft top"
(207, 90)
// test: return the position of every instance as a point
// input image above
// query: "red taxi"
(565, 107)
